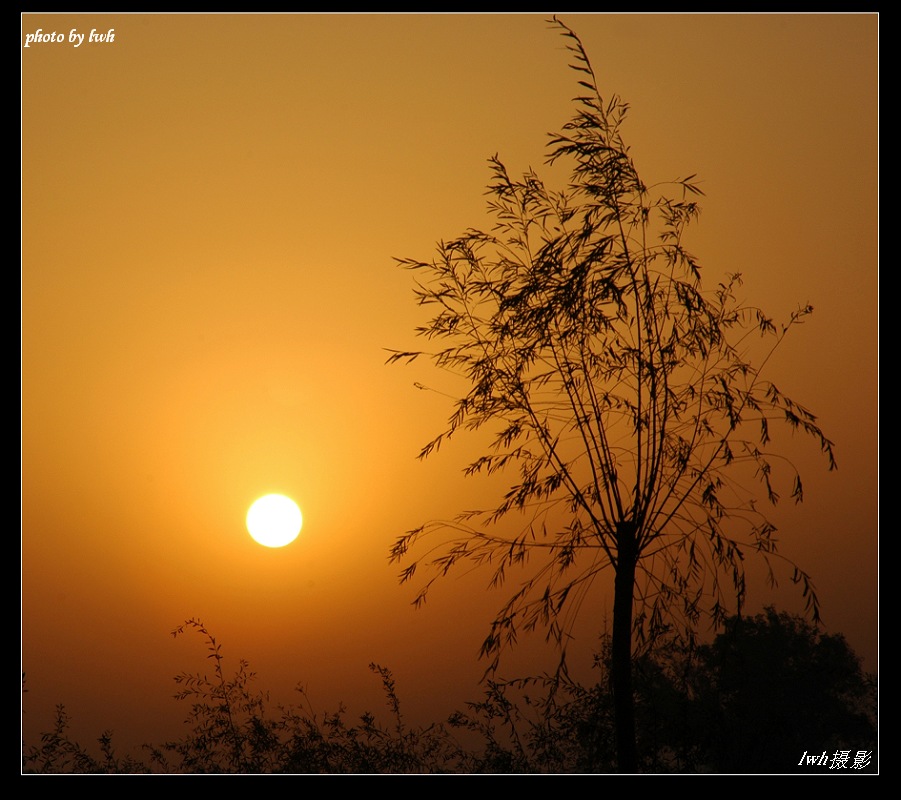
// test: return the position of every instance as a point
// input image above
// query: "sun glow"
(274, 520)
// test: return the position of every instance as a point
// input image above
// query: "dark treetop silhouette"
(628, 400)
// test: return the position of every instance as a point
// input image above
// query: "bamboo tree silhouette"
(629, 401)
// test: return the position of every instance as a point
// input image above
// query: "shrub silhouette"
(771, 687)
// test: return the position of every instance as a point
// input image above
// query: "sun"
(274, 520)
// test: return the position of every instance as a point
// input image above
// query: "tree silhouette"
(629, 401)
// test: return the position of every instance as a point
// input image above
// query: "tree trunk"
(621, 652)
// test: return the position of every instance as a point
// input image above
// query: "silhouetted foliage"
(764, 692)
(59, 754)
(628, 401)
(234, 729)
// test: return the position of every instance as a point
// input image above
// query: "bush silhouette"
(773, 686)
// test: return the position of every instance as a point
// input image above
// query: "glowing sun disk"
(274, 520)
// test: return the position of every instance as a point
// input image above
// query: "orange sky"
(210, 209)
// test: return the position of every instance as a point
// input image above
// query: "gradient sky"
(211, 205)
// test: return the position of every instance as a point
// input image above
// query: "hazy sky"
(211, 205)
